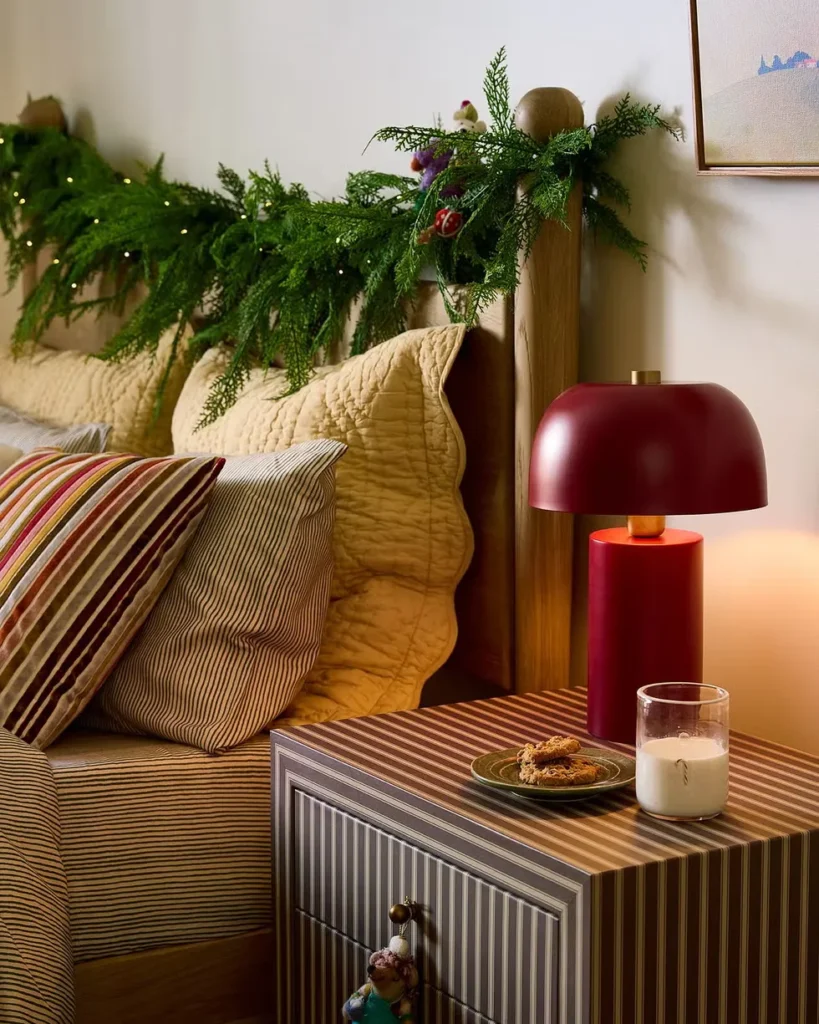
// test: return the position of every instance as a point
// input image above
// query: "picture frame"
(706, 128)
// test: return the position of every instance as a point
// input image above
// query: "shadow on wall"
(623, 309)
(761, 632)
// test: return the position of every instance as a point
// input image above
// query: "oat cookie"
(548, 750)
(564, 771)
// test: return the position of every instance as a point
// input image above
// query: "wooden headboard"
(514, 603)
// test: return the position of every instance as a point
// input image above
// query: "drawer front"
(328, 969)
(438, 1008)
(332, 967)
(483, 946)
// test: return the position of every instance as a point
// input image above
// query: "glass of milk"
(682, 750)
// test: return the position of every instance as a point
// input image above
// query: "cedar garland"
(274, 271)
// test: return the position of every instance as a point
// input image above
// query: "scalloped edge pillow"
(402, 540)
(68, 389)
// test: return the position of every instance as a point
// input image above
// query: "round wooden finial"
(542, 112)
(45, 112)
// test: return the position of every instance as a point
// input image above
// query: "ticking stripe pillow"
(239, 626)
(86, 544)
(19, 431)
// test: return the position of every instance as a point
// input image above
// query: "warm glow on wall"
(762, 632)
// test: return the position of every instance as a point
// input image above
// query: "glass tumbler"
(682, 750)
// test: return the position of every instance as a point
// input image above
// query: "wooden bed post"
(547, 330)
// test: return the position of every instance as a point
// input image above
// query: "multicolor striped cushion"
(232, 638)
(87, 543)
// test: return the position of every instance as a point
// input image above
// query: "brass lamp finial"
(646, 377)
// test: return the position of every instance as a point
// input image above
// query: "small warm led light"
(338, 240)
(70, 180)
(126, 181)
(2, 141)
(126, 255)
(15, 194)
(167, 203)
(96, 220)
(341, 271)
(55, 261)
(73, 285)
(268, 204)
(244, 216)
(261, 249)
(184, 231)
(29, 243)
(22, 202)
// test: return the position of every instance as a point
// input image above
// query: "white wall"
(731, 294)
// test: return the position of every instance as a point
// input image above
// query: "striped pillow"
(19, 431)
(86, 544)
(239, 626)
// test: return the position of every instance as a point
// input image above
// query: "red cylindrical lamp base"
(645, 622)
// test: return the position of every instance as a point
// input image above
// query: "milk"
(682, 776)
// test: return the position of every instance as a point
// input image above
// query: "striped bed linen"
(36, 972)
(162, 844)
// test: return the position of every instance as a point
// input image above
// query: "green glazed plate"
(499, 769)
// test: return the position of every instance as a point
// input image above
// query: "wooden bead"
(400, 913)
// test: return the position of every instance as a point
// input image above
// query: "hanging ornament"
(448, 222)
(430, 163)
(389, 992)
(466, 119)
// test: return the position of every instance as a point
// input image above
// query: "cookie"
(548, 750)
(564, 771)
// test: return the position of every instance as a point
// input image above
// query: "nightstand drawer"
(485, 948)
(341, 965)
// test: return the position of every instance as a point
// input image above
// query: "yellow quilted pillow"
(402, 540)
(69, 388)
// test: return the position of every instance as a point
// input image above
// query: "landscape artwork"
(756, 69)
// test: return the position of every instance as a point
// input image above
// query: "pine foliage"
(263, 267)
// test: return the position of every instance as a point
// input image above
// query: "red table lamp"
(644, 452)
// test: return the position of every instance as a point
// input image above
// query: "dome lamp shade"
(660, 449)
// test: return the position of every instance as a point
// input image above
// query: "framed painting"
(756, 86)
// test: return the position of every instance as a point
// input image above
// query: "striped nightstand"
(588, 912)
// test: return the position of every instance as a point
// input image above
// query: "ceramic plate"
(500, 770)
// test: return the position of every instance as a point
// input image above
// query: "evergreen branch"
(496, 91)
(275, 272)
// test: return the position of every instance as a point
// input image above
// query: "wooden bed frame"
(513, 606)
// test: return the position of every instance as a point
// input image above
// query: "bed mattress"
(161, 843)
